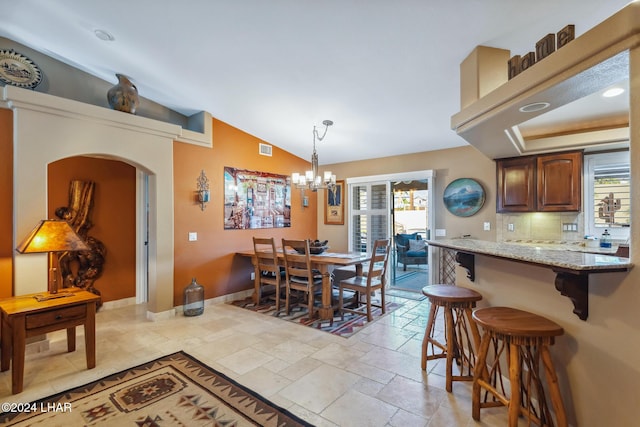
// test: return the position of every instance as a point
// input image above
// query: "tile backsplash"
(550, 226)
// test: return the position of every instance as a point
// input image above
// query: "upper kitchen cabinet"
(559, 182)
(516, 184)
(555, 104)
(543, 183)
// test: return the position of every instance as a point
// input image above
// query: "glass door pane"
(410, 228)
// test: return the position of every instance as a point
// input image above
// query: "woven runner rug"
(174, 390)
(342, 326)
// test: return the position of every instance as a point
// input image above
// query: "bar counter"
(572, 267)
(556, 256)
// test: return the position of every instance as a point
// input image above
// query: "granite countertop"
(575, 246)
(550, 255)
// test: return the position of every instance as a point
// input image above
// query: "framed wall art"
(334, 205)
(256, 199)
(464, 197)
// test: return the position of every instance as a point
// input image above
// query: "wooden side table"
(24, 316)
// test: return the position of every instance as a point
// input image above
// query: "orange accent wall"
(6, 205)
(113, 216)
(211, 259)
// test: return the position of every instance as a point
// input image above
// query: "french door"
(371, 213)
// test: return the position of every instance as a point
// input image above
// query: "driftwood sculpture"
(81, 268)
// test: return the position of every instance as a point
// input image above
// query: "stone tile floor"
(370, 379)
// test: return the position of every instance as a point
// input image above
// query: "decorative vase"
(124, 95)
(193, 299)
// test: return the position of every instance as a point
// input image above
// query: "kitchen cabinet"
(516, 184)
(542, 183)
(559, 182)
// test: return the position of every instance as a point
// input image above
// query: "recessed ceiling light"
(614, 91)
(536, 106)
(104, 35)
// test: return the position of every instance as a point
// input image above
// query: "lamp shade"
(52, 235)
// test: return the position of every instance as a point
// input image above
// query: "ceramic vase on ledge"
(124, 95)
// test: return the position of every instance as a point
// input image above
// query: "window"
(607, 194)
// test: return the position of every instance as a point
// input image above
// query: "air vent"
(266, 150)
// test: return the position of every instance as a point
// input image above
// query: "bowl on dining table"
(316, 247)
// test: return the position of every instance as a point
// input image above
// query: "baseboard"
(109, 305)
(176, 310)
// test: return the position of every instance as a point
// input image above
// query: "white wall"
(48, 128)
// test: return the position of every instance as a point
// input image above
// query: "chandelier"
(311, 179)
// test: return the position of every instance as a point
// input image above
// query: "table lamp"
(52, 235)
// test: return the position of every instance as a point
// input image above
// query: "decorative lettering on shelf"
(544, 47)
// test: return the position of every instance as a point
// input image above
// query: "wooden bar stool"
(522, 339)
(457, 303)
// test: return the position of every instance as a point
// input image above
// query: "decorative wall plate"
(18, 70)
(463, 197)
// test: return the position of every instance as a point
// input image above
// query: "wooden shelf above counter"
(572, 267)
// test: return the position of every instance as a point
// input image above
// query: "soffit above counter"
(566, 78)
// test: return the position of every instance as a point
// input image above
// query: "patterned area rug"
(342, 326)
(174, 390)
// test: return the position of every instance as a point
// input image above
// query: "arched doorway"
(47, 129)
(111, 219)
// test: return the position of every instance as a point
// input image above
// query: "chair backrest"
(266, 255)
(402, 239)
(296, 264)
(379, 261)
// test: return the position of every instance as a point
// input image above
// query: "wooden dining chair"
(365, 285)
(268, 272)
(299, 274)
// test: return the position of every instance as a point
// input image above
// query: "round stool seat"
(517, 323)
(449, 293)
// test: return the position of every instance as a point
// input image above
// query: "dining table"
(323, 263)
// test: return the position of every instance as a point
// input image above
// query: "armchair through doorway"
(410, 250)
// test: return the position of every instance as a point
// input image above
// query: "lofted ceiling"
(386, 72)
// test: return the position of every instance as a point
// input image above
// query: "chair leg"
(450, 334)
(383, 303)
(552, 381)
(481, 374)
(369, 316)
(310, 293)
(427, 335)
(340, 301)
(287, 300)
(514, 379)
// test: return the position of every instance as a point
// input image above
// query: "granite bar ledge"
(572, 268)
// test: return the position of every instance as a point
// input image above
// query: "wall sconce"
(203, 190)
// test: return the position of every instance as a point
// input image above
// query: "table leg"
(359, 269)
(326, 310)
(71, 339)
(90, 335)
(17, 366)
(256, 281)
(6, 344)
